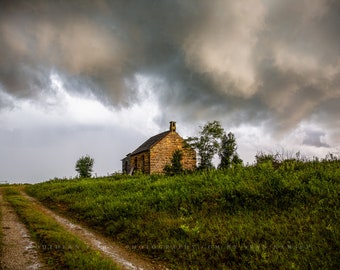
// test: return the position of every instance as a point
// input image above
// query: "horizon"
(100, 77)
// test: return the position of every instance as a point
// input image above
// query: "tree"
(176, 165)
(263, 158)
(208, 144)
(84, 166)
(227, 152)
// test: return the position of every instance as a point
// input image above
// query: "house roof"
(150, 142)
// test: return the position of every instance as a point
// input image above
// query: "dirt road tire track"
(123, 257)
(19, 251)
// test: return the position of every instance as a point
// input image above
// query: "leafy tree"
(84, 166)
(207, 144)
(176, 165)
(227, 151)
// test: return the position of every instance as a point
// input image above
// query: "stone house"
(156, 152)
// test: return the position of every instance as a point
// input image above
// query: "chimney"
(172, 126)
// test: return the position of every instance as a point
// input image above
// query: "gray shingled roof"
(150, 142)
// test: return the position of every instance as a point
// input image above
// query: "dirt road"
(17, 243)
(19, 251)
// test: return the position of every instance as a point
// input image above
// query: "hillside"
(261, 216)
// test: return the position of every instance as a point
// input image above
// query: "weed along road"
(54, 251)
(125, 259)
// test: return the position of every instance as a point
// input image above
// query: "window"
(143, 164)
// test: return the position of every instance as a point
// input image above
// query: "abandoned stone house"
(155, 153)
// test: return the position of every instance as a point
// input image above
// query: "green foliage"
(1, 233)
(227, 152)
(61, 249)
(214, 140)
(176, 165)
(255, 217)
(207, 144)
(84, 166)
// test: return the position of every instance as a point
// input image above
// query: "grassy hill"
(265, 216)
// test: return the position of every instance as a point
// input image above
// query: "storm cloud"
(279, 59)
(269, 64)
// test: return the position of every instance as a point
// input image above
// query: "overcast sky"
(100, 77)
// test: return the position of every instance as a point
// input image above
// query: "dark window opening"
(143, 164)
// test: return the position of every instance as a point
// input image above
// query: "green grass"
(61, 249)
(243, 218)
(1, 231)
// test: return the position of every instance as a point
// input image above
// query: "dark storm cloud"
(301, 68)
(76, 40)
(243, 61)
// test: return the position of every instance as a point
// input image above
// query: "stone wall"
(142, 160)
(161, 153)
(126, 164)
